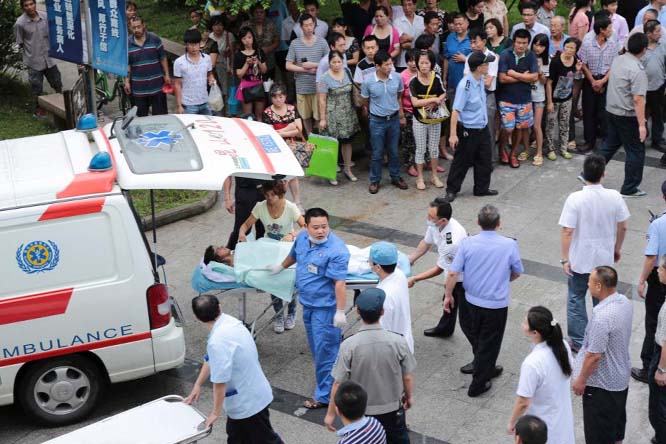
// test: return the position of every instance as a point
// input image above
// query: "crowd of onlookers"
(424, 84)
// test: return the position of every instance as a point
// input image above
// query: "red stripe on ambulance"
(76, 349)
(74, 208)
(257, 145)
(34, 306)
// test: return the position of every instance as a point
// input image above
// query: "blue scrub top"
(317, 269)
(656, 237)
(470, 102)
(487, 259)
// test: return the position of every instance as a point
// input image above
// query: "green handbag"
(324, 161)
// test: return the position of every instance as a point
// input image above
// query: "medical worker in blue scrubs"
(321, 260)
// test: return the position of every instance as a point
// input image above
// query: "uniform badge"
(38, 256)
(449, 238)
(468, 84)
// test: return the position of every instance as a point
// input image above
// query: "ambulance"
(82, 303)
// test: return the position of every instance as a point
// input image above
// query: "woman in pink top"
(387, 36)
(579, 23)
(407, 142)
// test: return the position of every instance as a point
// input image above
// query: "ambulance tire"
(78, 380)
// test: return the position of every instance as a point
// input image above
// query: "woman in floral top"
(283, 117)
(353, 51)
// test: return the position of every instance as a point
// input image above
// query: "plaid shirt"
(597, 58)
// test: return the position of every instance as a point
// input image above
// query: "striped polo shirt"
(366, 430)
(146, 73)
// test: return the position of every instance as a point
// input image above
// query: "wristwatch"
(661, 371)
(564, 261)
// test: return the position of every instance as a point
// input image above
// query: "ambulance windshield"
(159, 144)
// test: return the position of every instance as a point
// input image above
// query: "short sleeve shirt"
(608, 332)
(660, 333)
(453, 46)
(470, 102)
(146, 75)
(194, 78)
(253, 74)
(397, 315)
(281, 226)
(538, 88)
(520, 92)
(492, 70)
(447, 241)
(656, 238)
(488, 259)
(419, 90)
(654, 62)
(562, 79)
(383, 94)
(593, 213)
(234, 361)
(579, 22)
(317, 268)
(364, 70)
(498, 10)
(298, 53)
(627, 79)
(377, 360)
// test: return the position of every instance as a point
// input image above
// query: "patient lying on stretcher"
(218, 264)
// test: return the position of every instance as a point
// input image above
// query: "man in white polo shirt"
(409, 26)
(594, 222)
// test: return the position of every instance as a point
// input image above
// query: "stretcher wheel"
(61, 390)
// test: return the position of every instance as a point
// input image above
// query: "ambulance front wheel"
(60, 391)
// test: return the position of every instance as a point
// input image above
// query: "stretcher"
(167, 420)
(202, 285)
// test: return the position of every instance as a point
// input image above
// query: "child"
(540, 45)
(350, 402)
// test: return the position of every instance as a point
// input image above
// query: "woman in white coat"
(544, 385)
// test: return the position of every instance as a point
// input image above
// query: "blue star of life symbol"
(154, 140)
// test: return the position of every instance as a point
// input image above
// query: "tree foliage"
(10, 56)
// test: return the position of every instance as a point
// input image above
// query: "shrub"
(10, 56)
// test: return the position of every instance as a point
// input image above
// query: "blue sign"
(65, 35)
(38, 256)
(268, 144)
(109, 30)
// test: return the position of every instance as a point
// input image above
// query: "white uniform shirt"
(593, 213)
(404, 26)
(447, 241)
(397, 312)
(493, 67)
(542, 380)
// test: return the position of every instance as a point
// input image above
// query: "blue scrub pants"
(324, 340)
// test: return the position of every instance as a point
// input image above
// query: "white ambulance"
(81, 304)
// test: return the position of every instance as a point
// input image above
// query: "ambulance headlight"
(87, 122)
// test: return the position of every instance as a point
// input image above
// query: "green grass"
(164, 199)
(16, 119)
(169, 20)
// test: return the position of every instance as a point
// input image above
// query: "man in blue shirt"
(232, 364)
(490, 261)
(469, 108)
(518, 69)
(381, 92)
(321, 260)
(654, 296)
(458, 47)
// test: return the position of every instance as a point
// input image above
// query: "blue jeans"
(324, 341)
(623, 131)
(277, 306)
(384, 135)
(576, 311)
(198, 109)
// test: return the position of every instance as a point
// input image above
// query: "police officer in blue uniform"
(471, 139)
(654, 296)
(321, 260)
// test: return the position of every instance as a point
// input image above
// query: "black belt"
(384, 117)
(473, 129)
(488, 92)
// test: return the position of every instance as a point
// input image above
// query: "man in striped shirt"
(350, 402)
(148, 70)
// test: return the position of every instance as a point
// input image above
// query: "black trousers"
(623, 131)
(256, 429)
(604, 415)
(484, 329)
(473, 152)
(595, 121)
(246, 199)
(654, 299)
(654, 103)
(657, 402)
(395, 426)
(157, 103)
(447, 323)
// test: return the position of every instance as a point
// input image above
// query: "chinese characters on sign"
(109, 36)
(65, 33)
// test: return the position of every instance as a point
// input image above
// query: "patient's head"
(217, 254)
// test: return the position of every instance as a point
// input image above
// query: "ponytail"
(540, 319)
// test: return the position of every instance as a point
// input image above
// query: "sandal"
(504, 157)
(523, 156)
(420, 184)
(565, 154)
(312, 404)
(551, 155)
(436, 182)
(412, 171)
(538, 161)
(514, 162)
